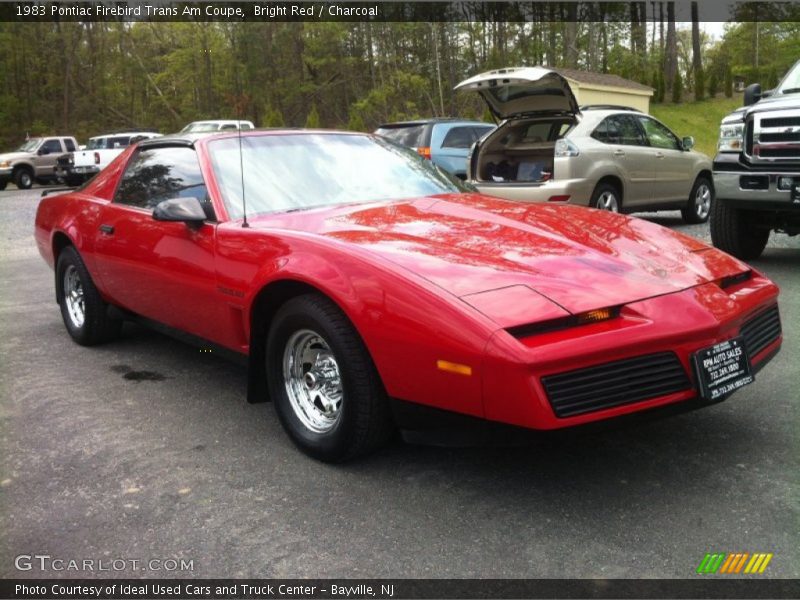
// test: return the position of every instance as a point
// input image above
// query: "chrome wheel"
(73, 296)
(607, 200)
(702, 201)
(313, 381)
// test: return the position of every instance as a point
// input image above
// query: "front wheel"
(733, 232)
(23, 179)
(326, 390)
(698, 208)
(84, 312)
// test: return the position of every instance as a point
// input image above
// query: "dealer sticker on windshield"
(723, 368)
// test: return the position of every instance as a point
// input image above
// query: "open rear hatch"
(537, 106)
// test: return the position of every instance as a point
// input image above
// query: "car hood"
(10, 156)
(778, 102)
(520, 91)
(579, 258)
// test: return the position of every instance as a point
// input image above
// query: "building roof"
(606, 79)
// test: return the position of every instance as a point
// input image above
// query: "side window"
(118, 142)
(69, 144)
(246, 126)
(52, 146)
(600, 132)
(459, 137)
(158, 174)
(630, 134)
(658, 135)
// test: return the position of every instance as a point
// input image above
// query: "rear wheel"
(23, 178)
(326, 390)
(733, 232)
(606, 197)
(84, 312)
(698, 208)
(3, 184)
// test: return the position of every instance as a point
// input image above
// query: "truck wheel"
(698, 208)
(74, 181)
(3, 184)
(23, 178)
(327, 392)
(734, 233)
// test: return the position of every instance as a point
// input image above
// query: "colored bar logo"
(734, 563)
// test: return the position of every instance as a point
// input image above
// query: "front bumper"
(756, 186)
(578, 190)
(681, 324)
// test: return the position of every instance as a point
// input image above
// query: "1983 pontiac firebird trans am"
(364, 282)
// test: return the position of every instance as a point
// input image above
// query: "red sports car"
(361, 282)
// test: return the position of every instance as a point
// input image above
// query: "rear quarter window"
(406, 135)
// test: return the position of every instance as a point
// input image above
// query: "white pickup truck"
(77, 167)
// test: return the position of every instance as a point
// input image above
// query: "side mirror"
(688, 142)
(752, 94)
(187, 210)
(42, 151)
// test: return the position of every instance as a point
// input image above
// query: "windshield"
(791, 83)
(200, 127)
(300, 171)
(29, 145)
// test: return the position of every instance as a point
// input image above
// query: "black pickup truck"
(757, 170)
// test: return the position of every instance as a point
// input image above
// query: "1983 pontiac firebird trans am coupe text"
(365, 282)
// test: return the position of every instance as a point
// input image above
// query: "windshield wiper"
(793, 90)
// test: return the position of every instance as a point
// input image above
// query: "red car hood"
(580, 259)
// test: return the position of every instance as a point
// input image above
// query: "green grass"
(698, 119)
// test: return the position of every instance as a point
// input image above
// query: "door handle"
(619, 153)
(107, 229)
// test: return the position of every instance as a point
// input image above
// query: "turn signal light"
(451, 367)
(564, 198)
(424, 152)
(586, 318)
(593, 316)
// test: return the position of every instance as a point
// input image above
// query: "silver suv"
(547, 149)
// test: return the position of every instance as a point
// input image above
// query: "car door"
(46, 156)
(634, 159)
(674, 169)
(160, 270)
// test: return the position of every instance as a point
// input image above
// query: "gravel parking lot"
(98, 461)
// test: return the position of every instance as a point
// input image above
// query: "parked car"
(217, 125)
(444, 141)
(34, 160)
(74, 168)
(547, 149)
(355, 276)
(757, 169)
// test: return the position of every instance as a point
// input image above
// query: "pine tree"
(713, 85)
(728, 82)
(662, 86)
(677, 88)
(699, 84)
(312, 120)
(654, 84)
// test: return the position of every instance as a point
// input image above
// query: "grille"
(760, 331)
(781, 122)
(615, 383)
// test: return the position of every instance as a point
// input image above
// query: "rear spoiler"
(49, 191)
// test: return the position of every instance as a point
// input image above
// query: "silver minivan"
(548, 149)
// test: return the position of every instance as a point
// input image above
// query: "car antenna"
(241, 168)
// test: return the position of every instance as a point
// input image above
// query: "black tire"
(3, 184)
(74, 180)
(701, 199)
(23, 178)
(734, 233)
(96, 327)
(362, 420)
(606, 197)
